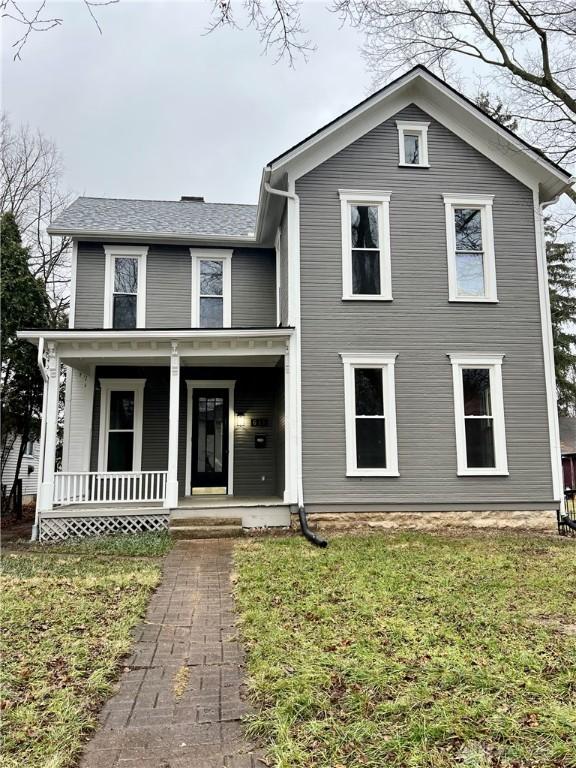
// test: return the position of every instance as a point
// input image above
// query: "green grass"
(126, 545)
(406, 650)
(67, 611)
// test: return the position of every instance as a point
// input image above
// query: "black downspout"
(306, 532)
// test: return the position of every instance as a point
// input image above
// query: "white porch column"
(171, 499)
(46, 500)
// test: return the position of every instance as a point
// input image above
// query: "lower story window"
(120, 439)
(479, 413)
(370, 415)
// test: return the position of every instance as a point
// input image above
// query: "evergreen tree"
(24, 305)
(561, 258)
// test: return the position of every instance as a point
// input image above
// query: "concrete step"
(193, 521)
(186, 533)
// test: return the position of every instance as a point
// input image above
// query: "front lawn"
(406, 650)
(67, 611)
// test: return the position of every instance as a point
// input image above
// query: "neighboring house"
(373, 336)
(568, 449)
(28, 469)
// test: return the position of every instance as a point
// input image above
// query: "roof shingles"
(157, 217)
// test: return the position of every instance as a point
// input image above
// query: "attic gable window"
(125, 286)
(211, 288)
(366, 270)
(413, 144)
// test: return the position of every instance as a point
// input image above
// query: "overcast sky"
(154, 108)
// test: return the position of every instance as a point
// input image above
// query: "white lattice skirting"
(56, 529)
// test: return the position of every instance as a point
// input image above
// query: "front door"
(210, 441)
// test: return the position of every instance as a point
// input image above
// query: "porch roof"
(201, 346)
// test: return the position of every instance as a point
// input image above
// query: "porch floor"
(209, 503)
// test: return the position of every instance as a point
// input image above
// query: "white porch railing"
(108, 487)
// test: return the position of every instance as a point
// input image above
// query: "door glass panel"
(480, 443)
(120, 451)
(121, 410)
(370, 443)
(211, 312)
(211, 278)
(366, 272)
(210, 434)
(368, 391)
(476, 383)
(411, 148)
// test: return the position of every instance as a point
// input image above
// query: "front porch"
(188, 423)
(80, 519)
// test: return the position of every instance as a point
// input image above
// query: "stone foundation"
(432, 521)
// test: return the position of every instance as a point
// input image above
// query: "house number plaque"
(259, 422)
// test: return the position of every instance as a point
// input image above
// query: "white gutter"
(548, 344)
(294, 319)
(170, 237)
(35, 527)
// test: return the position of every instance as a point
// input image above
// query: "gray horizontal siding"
(420, 325)
(283, 269)
(253, 288)
(169, 287)
(90, 269)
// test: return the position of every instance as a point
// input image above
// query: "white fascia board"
(103, 335)
(152, 237)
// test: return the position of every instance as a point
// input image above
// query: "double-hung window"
(121, 412)
(470, 240)
(125, 287)
(479, 413)
(366, 270)
(370, 415)
(413, 143)
(211, 288)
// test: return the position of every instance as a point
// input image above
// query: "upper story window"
(479, 413)
(366, 270)
(370, 415)
(125, 287)
(470, 240)
(211, 288)
(413, 143)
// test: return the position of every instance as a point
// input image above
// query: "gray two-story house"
(373, 337)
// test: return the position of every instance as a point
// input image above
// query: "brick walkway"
(180, 698)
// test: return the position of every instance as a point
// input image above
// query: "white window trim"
(381, 199)
(494, 364)
(484, 203)
(386, 364)
(193, 384)
(413, 126)
(125, 251)
(123, 385)
(213, 254)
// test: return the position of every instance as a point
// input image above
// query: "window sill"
(475, 300)
(483, 473)
(367, 297)
(413, 165)
(372, 473)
